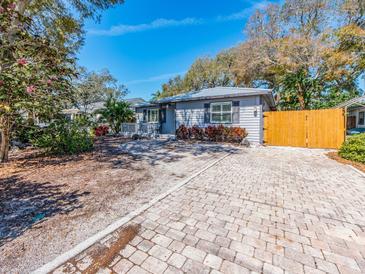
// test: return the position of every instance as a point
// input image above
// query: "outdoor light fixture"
(255, 111)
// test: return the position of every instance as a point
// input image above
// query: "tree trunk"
(5, 144)
(301, 99)
(301, 102)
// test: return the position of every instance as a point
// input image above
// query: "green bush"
(354, 148)
(66, 137)
(26, 132)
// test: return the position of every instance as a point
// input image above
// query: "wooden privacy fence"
(324, 128)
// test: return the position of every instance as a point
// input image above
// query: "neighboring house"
(355, 109)
(94, 107)
(230, 106)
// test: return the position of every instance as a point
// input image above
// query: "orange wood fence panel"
(323, 128)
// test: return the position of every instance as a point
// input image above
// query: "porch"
(143, 129)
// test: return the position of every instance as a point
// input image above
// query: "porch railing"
(144, 129)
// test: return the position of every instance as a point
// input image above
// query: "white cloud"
(245, 13)
(119, 30)
(155, 78)
(156, 24)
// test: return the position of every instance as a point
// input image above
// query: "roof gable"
(358, 101)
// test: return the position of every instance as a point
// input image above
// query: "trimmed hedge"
(354, 148)
(212, 133)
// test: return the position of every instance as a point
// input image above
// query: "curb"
(357, 170)
(63, 258)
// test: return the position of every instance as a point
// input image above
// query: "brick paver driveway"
(265, 210)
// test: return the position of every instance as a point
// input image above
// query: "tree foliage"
(204, 73)
(38, 40)
(93, 87)
(310, 52)
(115, 113)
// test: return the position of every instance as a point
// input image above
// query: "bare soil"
(50, 204)
(106, 256)
(338, 158)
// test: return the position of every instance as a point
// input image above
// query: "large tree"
(204, 73)
(311, 52)
(93, 87)
(38, 40)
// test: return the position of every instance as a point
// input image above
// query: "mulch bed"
(338, 158)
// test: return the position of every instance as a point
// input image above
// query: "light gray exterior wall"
(251, 115)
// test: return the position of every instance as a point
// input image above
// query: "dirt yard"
(50, 204)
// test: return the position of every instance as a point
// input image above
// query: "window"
(221, 113)
(152, 115)
(362, 118)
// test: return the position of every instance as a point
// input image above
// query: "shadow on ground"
(113, 150)
(24, 204)
(155, 151)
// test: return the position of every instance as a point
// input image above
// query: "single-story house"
(230, 106)
(355, 109)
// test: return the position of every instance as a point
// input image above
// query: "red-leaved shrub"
(182, 133)
(218, 133)
(197, 133)
(101, 130)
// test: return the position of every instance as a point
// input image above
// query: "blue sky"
(145, 42)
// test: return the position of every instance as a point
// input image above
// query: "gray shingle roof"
(353, 102)
(218, 92)
(135, 101)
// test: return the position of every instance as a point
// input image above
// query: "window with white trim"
(152, 116)
(362, 118)
(221, 113)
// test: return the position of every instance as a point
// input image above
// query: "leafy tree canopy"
(38, 41)
(310, 52)
(115, 113)
(92, 87)
(204, 73)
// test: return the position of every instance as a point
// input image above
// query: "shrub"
(235, 134)
(101, 130)
(66, 137)
(25, 132)
(197, 133)
(182, 133)
(212, 133)
(354, 148)
(215, 133)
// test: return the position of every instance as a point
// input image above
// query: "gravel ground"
(48, 205)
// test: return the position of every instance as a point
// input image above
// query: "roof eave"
(214, 97)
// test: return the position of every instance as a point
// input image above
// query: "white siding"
(192, 113)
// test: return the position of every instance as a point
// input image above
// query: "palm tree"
(115, 113)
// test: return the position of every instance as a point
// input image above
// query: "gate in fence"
(324, 128)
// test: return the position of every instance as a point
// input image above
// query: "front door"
(351, 122)
(168, 127)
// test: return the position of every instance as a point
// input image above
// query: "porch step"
(166, 137)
